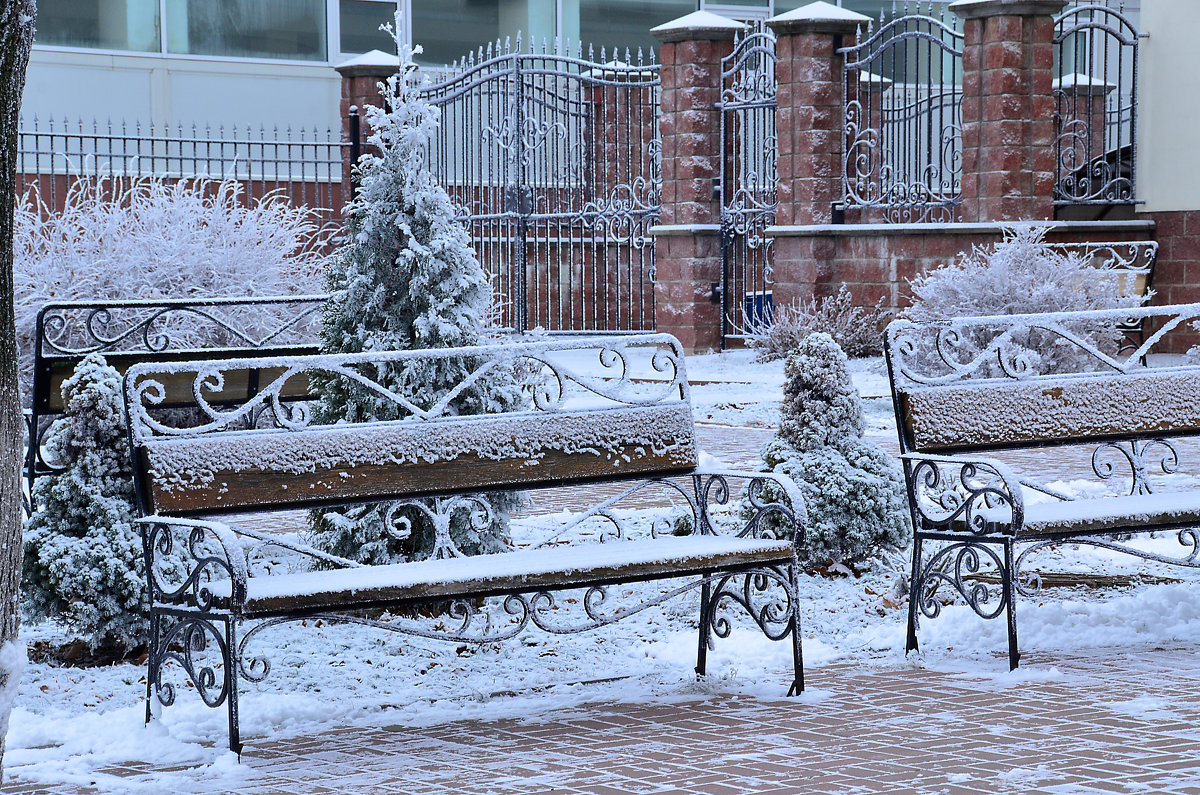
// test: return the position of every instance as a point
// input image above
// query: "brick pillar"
(809, 121)
(810, 126)
(361, 77)
(687, 249)
(1008, 109)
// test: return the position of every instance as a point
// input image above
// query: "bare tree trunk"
(16, 30)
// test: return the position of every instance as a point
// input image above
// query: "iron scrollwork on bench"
(625, 422)
(969, 387)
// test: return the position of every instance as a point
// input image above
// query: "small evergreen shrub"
(853, 490)
(858, 330)
(83, 561)
(1020, 274)
(405, 279)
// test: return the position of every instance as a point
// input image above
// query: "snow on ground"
(69, 724)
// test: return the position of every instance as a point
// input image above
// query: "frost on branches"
(853, 490)
(1021, 274)
(152, 239)
(83, 554)
(406, 278)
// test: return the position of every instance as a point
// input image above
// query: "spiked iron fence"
(305, 165)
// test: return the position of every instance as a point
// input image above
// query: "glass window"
(449, 29)
(360, 23)
(288, 29)
(99, 24)
(626, 23)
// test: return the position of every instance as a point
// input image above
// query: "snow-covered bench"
(613, 414)
(129, 332)
(974, 395)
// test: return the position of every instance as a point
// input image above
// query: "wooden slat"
(995, 414)
(522, 571)
(344, 463)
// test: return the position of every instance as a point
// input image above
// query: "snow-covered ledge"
(879, 230)
(698, 26)
(681, 230)
(375, 63)
(818, 17)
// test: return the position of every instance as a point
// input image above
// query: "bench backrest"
(1131, 262)
(585, 410)
(988, 383)
(127, 333)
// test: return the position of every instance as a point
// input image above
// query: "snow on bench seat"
(524, 570)
(1138, 511)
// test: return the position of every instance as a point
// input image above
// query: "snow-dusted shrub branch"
(853, 490)
(406, 278)
(1018, 275)
(152, 238)
(857, 329)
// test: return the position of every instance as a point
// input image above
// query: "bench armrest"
(769, 498)
(185, 556)
(964, 494)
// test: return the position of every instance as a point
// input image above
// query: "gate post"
(687, 248)
(811, 120)
(812, 133)
(1008, 109)
(361, 77)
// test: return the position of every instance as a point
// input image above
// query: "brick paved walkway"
(1112, 721)
(1103, 721)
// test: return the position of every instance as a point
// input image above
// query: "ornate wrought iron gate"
(748, 182)
(1095, 115)
(902, 97)
(553, 161)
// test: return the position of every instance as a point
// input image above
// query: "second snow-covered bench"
(612, 414)
(987, 407)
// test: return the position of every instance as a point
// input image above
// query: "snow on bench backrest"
(978, 383)
(585, 409)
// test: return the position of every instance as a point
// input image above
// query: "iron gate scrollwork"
(748, 182)
(1095, 106)
(902, 99)
(553, 163)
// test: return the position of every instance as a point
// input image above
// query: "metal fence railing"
(305, 165)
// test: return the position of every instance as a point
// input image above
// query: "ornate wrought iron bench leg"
(705, 628)
(152, 664)
(1010, 605)
(231, 682)
(915, 584)
(797, 649)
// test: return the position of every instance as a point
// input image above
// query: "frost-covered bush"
(1018, 275)
(406, 278)
(853, 490)
(83, 554)
(858, 330)
(151, 238)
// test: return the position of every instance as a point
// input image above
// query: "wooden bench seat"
(970, 390)
(614, 411)
(510, 572)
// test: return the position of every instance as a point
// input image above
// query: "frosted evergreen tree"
(406, 278)
(83, 554)
(853, 490)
